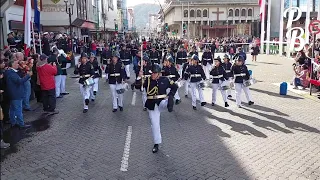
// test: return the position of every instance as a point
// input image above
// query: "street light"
(104, 17)
(69, 11)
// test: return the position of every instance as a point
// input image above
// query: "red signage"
(88, 25)
(314, 27)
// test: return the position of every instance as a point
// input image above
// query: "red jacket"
(46, 75)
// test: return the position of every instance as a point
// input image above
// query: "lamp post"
(104, 17)
(69, 11)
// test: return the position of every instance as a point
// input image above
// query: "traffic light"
(166, 26)
(184, 26)
(184, 31)
(116, 27)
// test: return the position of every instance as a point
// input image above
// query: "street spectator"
(23, 70)
(4, 99)
(46, 73)
(16, 92)
(94, 47)
(254, 52)
(301, 77)
(34, 79)
(11, 41)
(54, 59)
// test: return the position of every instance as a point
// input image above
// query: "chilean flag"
(37, 14)
(262, 5)
(27, 26)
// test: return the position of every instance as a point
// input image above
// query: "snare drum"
(89, 81)
(249, 82)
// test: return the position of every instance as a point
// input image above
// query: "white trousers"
(105, 67)
(239, 87)
(176, 95)
(63, 84)
(186, 87)
(117, 99)
(57, 79)
(127, 68)
(229, 90)
(85, 91)
(154, 116)
(194, 89)
(207, 70)
(215, 88)
(180, 69)
(95, 87)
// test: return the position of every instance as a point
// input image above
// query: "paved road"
(277, 138)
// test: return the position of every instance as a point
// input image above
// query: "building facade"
(215, 18)
(131, 22)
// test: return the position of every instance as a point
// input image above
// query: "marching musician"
(241, 74)
(168, 53)
(194, 51)
(126, 59)
(207, 61)
(181, 59)
(158, 100)
(54, 58)
(117, 75)
(154, 55)
(106, 56)
(170, 71)
(196, 74)
(63, 61)
(219, 75)
(85, 70)
(185, 75)
(227, 67)
(97, 74)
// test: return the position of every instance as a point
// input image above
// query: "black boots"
(155, 148)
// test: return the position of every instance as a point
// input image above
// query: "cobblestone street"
(276, 138)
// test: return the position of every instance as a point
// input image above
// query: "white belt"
(217, 77)
(206, 59)
(154, 59)
(115, 74)
(171, 76)
(182, 58)
(227, 71)
(63, 68)
(87, 75)
(147, 75)
(157, 96)
(125, 59)
(96, 72)
(195, 75)
(238, 75)
(106, 59)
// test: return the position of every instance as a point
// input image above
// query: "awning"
(83, 24)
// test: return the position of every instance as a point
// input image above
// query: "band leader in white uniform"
(158, 100)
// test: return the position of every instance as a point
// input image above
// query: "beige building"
(212, 18)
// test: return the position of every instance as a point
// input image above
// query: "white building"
(130, 19)
(212, 18)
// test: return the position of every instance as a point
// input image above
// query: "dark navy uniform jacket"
(97, 69)
(171, 72)
(116, 73)
(165, 55)
(158, 87)
(194, 53)
(184, 68)
(63, 64)
(106, 55)
(196, 73)
(218, 73)
(125, 57)
(85, 71)
(240, 73)
(207, 58)
(227, 68)
(181, 57)
(154, 57)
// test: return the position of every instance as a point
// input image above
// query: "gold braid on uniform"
(153, 91)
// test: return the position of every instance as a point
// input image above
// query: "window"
(237, 12)
(243, 12)
(250, 12)
(205, 23)
(192, 13)
(205, 13)
(198, 13)
(230, 12)
(185, 13)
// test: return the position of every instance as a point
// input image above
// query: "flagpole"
(268, 27)
(318, 18)
(281, 27)
(34, 41)
(262, 27)
(289, 33)
(40, 43)
(307, 22)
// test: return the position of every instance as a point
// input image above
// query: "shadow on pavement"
(269, 63)
(256, 121)
(266, 109)
(274, 94)
(14, 135)
(288, 123)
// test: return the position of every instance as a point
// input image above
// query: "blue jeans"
(16, 116)
(94, 52)
(27, 93)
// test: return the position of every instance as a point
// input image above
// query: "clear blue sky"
(135, 2)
